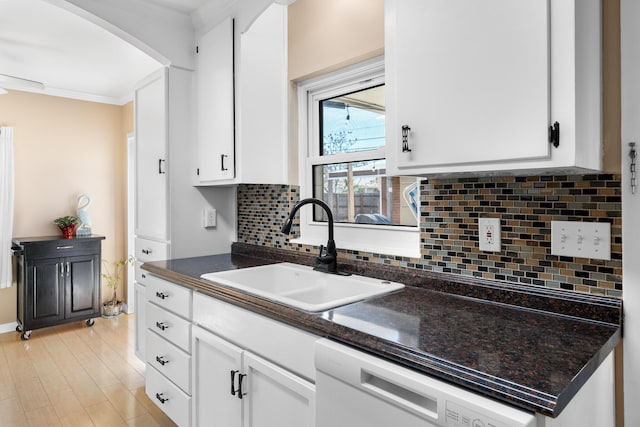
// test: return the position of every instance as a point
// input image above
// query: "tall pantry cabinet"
(168, 208)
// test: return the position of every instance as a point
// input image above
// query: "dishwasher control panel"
(458, 416)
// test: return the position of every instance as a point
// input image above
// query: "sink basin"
(302, 287)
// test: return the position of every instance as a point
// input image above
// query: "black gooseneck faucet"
(328, 260)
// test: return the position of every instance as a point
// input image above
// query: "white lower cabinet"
(167, 315)
(233, 386)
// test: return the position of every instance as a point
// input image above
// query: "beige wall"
(325, 35)
(64, 148)
(611, 86)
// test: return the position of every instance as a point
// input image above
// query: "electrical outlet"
(209, 217)
(489, 234)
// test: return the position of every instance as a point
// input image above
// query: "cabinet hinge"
(554, 134)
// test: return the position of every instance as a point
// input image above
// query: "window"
(342, 161)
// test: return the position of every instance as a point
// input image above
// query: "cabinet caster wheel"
(18, 328)
(90, 322)
(25, 335)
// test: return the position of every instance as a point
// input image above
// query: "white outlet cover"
(489, 234)
(209, 217)
(581, 239)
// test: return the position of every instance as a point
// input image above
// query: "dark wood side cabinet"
(58, 281)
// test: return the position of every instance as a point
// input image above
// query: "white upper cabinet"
(215, 161)
(263, 93)
(473, 86)
(152, 193)
(259, 151)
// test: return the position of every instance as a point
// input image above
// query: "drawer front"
(150, 250)
(169, 360)
(173, 401)
(141, 275)
(63, 248)
(168, 295)
(173, 328)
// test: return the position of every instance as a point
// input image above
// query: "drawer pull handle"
(161, 360)
(144, 276)
(64, 247)
(147, 251)
(162, 295)
(405, 139)
(233, 380)
(240, 378)
(161, 325)
(161, 398)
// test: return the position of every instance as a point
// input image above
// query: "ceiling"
(70, 55)
(184, 6)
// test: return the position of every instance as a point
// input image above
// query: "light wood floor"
(74, 375)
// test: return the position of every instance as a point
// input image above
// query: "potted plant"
(112, 276)
(66, 224)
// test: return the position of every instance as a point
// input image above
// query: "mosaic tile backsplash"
(449, 233)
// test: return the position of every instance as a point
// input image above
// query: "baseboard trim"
(8, 327)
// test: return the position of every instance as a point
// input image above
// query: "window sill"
(366, 238)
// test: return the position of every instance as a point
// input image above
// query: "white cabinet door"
(151, 155)
(215, 107)
(271, 395)
(470, 78)
(262, 149)
(476, 85)
(215, 400)
(276, 397)
(140, 320)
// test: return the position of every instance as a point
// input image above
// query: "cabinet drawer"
(150, 250)
(173, 401)
(168, 295)
(166, 324)
(62, 248)
(169, 360)
(141, 275)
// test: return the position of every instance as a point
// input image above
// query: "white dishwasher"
(355, 389)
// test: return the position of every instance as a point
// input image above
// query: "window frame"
(383, 239)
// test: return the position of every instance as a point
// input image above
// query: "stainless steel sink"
(302, 287)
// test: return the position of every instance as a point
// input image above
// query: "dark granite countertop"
(533, 359)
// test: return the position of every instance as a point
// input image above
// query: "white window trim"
(388, 240)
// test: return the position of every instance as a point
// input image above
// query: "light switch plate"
(581, 239)
(489, 234)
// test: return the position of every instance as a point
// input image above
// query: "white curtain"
(6, 205)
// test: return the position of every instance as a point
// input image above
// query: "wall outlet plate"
(209, 217)
(581, 239)
(489, 234)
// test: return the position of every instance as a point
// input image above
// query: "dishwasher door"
(355, 389)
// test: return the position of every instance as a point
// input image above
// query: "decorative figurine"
(84, 229)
